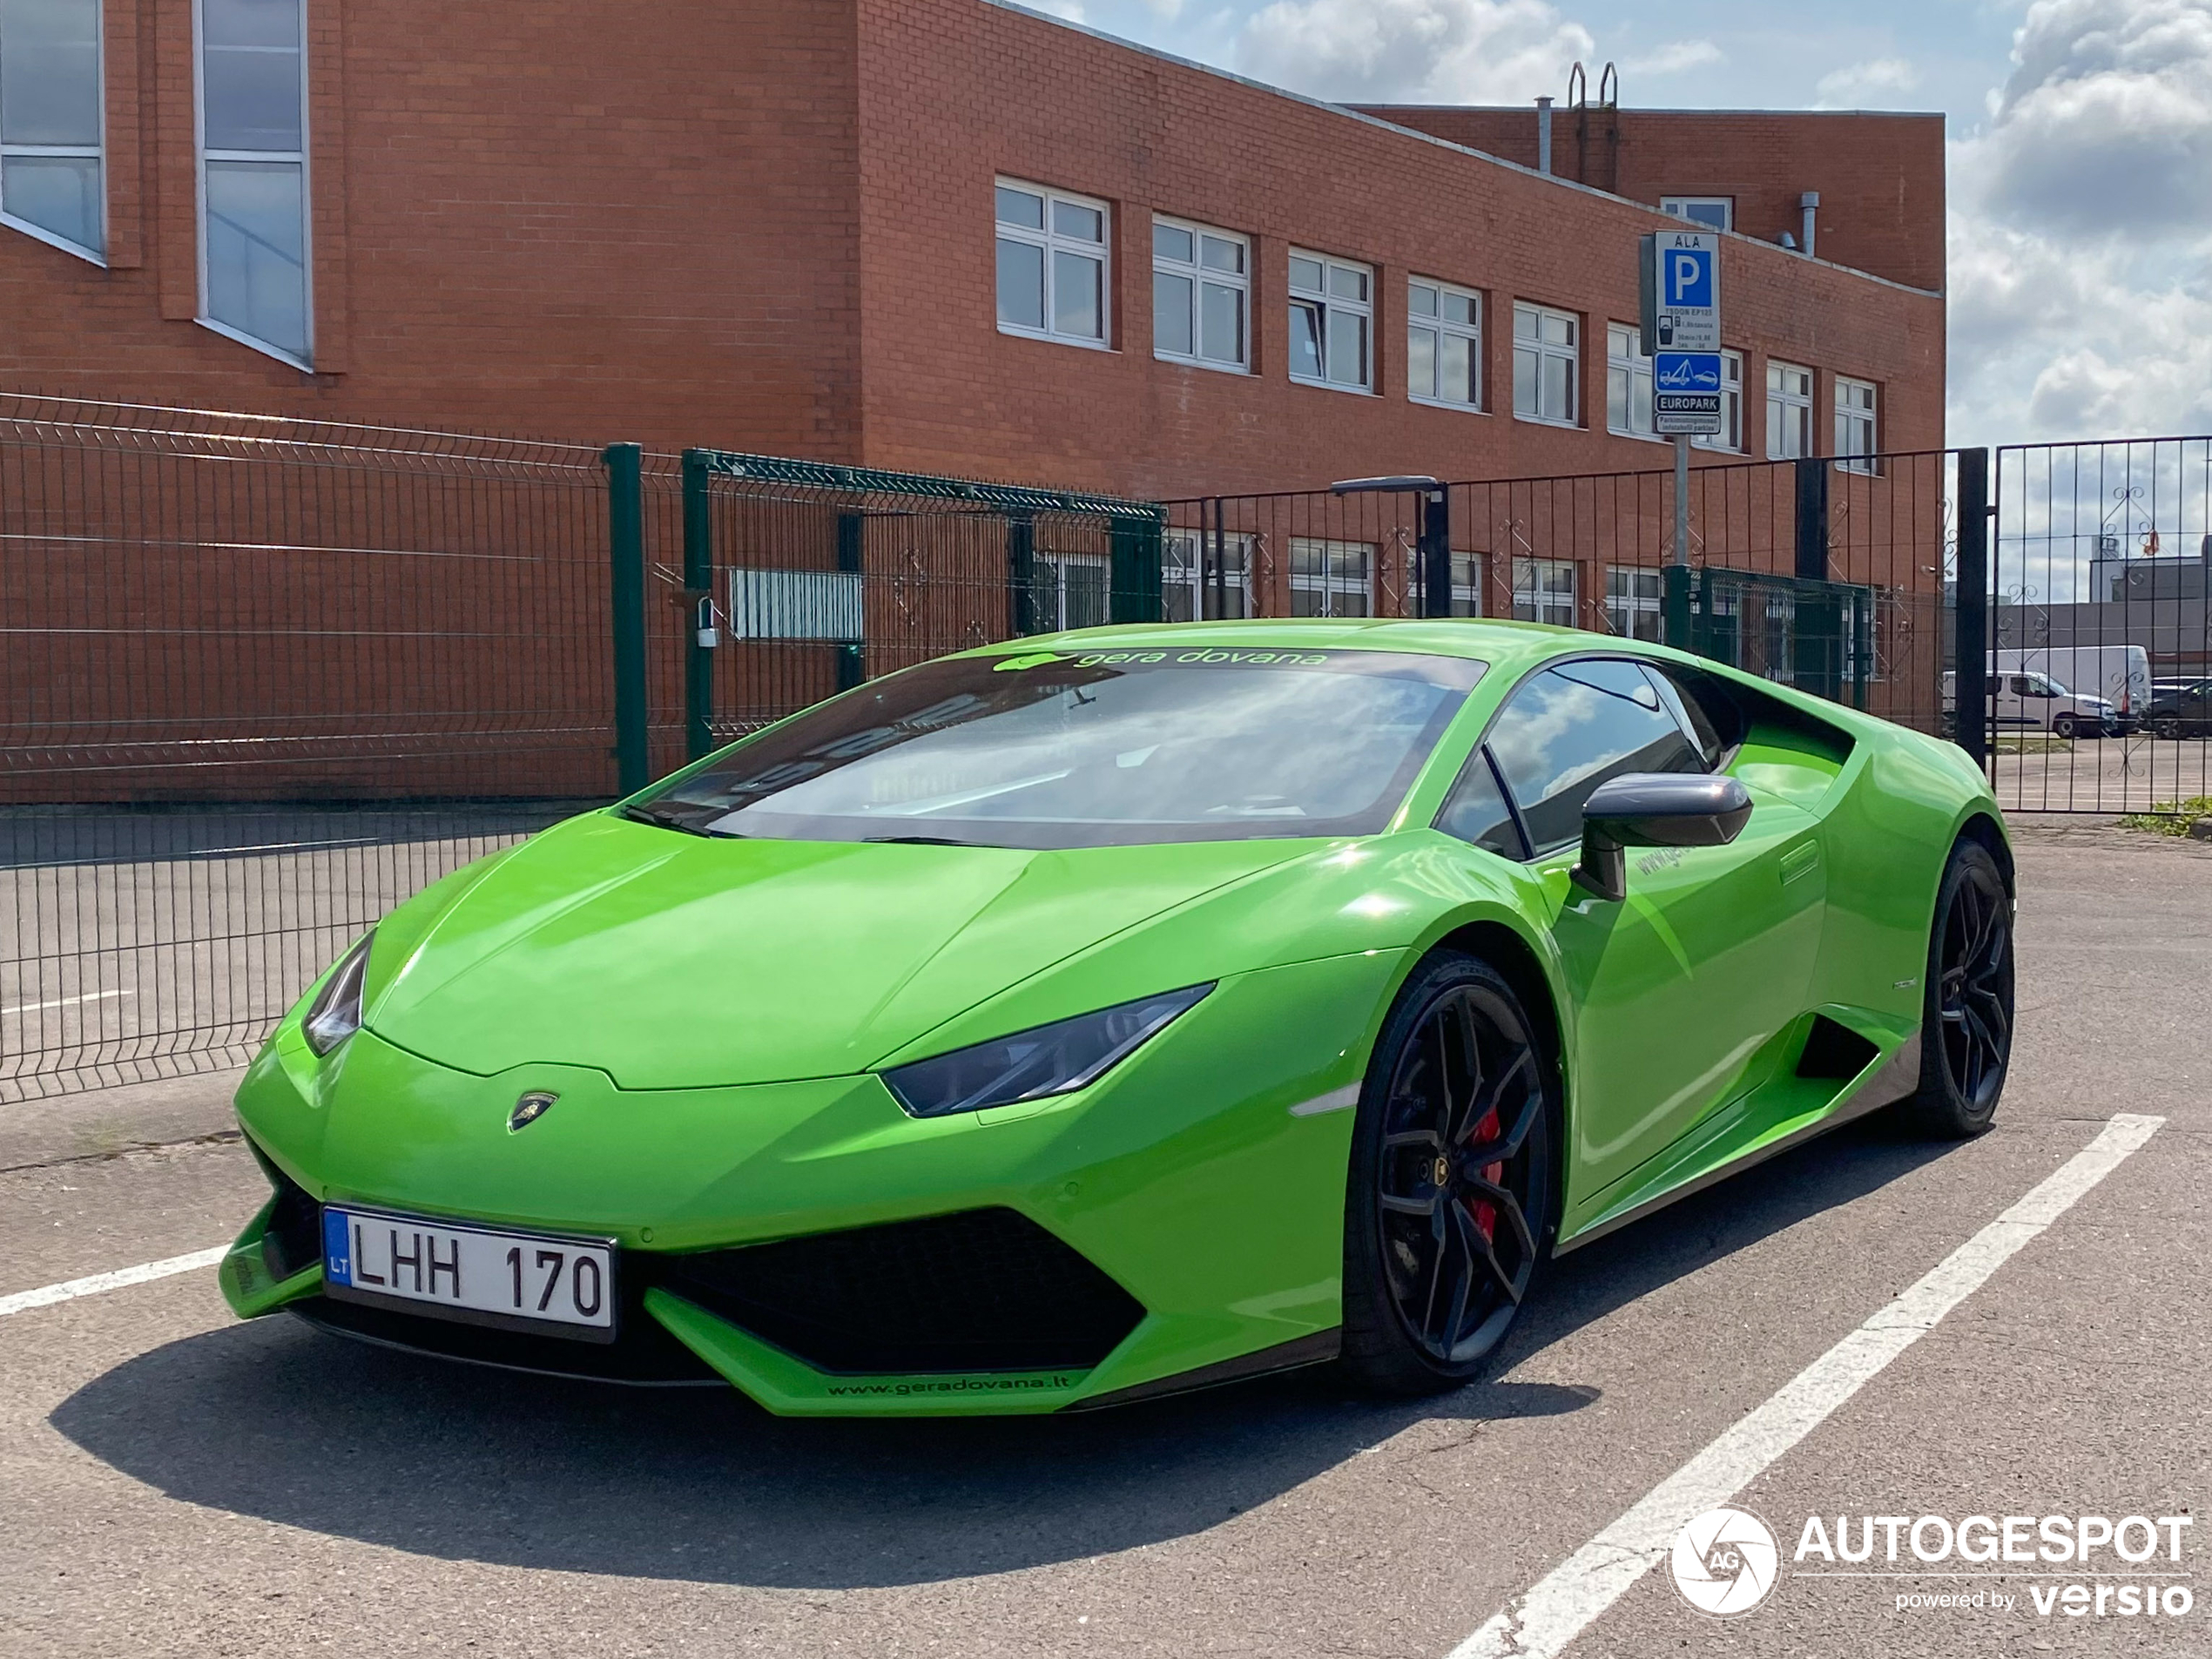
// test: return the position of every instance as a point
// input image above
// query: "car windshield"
(1060, 749)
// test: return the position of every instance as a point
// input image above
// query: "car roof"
(1489, 639)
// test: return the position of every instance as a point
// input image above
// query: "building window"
(1789, 412)
(1855, 424)
(1189, 587)
(1714, 212)
(253, 172)
(1200, 290)
(1730, 437)
(1547, 357)
(1628, 381)
(51, 124)
(1634, 601)
(1331, 578)
(1332, 323)
(1052, 256)
(1543, 591)
(1443, 344)
(1071, 590)
(1466, 585)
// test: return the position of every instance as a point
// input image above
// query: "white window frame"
(1467, 571)
(1048, 571)
(97, 152)
(1442, 329)
(1633, 591)
(1729, 439)
(1798, 404)
(1628, 370)
(1184, 553)
(1325, 582)
(1536, 601)
(1200, 276)
(1051, 243)
(1679, 207)
(1542, 351)
(203, 155)
(1858, 428)
(1330, 305)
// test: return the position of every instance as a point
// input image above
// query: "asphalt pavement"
(178, 1482)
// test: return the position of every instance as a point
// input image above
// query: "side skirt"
(1895, 1079)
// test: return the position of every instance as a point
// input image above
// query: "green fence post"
(852, 655)
(1135, 575)
(699, 592)
(626, 557)
(1675, 614)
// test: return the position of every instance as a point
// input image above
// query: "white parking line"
(47, 1295)
(65, 1002)
(1541, 1623)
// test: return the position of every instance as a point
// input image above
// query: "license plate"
(539, 1282)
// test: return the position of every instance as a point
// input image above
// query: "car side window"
(1476, 811)
(1713, 725)
(1568, 728)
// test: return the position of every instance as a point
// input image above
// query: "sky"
(2079, 148)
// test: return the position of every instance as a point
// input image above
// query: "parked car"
(2119, 674)
(2179, 709)
(2035, 702)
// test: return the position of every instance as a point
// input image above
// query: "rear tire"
(1966, 999)
(1449, 1205)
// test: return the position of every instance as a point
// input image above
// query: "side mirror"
(1654, 809)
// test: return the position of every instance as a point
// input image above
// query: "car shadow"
(275, 1420)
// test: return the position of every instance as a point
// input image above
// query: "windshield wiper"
(670, 818)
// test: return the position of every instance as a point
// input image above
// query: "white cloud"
(1856, 85)
(2081, 230)
(1461, 51)
(1070, 9)
(1675, 57)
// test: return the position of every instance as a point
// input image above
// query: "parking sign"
(1686, 392)
(1682, 291)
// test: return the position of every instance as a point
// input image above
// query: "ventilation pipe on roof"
(1543, 135)
(1810, 202)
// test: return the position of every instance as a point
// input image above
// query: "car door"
(1680, 988)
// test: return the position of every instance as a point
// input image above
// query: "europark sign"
(1680, 286)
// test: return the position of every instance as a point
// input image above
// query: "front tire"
(1966, 999)
(2066, 726)
(1449, 1206)
(2170, 730)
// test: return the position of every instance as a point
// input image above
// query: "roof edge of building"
(1348, 113)
(1647, 109)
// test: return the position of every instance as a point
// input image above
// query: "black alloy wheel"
(2166, 727)
(1966, 1027)
(1450, 1210)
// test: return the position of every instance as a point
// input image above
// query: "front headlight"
(1054, 1059)
(337, 1012)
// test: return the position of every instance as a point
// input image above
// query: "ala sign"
(1681, 290)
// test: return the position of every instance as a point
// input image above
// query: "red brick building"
(947, 235)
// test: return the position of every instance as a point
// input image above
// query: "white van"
(2032, 701)
(2119, 674)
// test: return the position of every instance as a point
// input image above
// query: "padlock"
(708, 637)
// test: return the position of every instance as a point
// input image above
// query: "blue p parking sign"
(1687, 277)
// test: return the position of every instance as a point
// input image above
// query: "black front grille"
(293, 1239)
(986, 1289)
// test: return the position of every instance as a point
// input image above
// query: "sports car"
(1123, 1011)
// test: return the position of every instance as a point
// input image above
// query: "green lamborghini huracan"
(1096, 1016)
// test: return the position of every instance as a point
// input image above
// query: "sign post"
(1680, 285)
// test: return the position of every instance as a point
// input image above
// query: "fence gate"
(2097, 682)
(800, 579)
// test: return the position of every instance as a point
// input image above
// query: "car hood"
(669, 960)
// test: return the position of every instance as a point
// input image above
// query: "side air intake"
(1833, 1050)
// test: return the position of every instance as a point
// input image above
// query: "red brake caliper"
(1484, 1212)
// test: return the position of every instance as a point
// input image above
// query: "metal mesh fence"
(2099, 681)
(1825, 574)
(264, 678)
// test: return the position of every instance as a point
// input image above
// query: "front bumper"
(1181, 1195)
